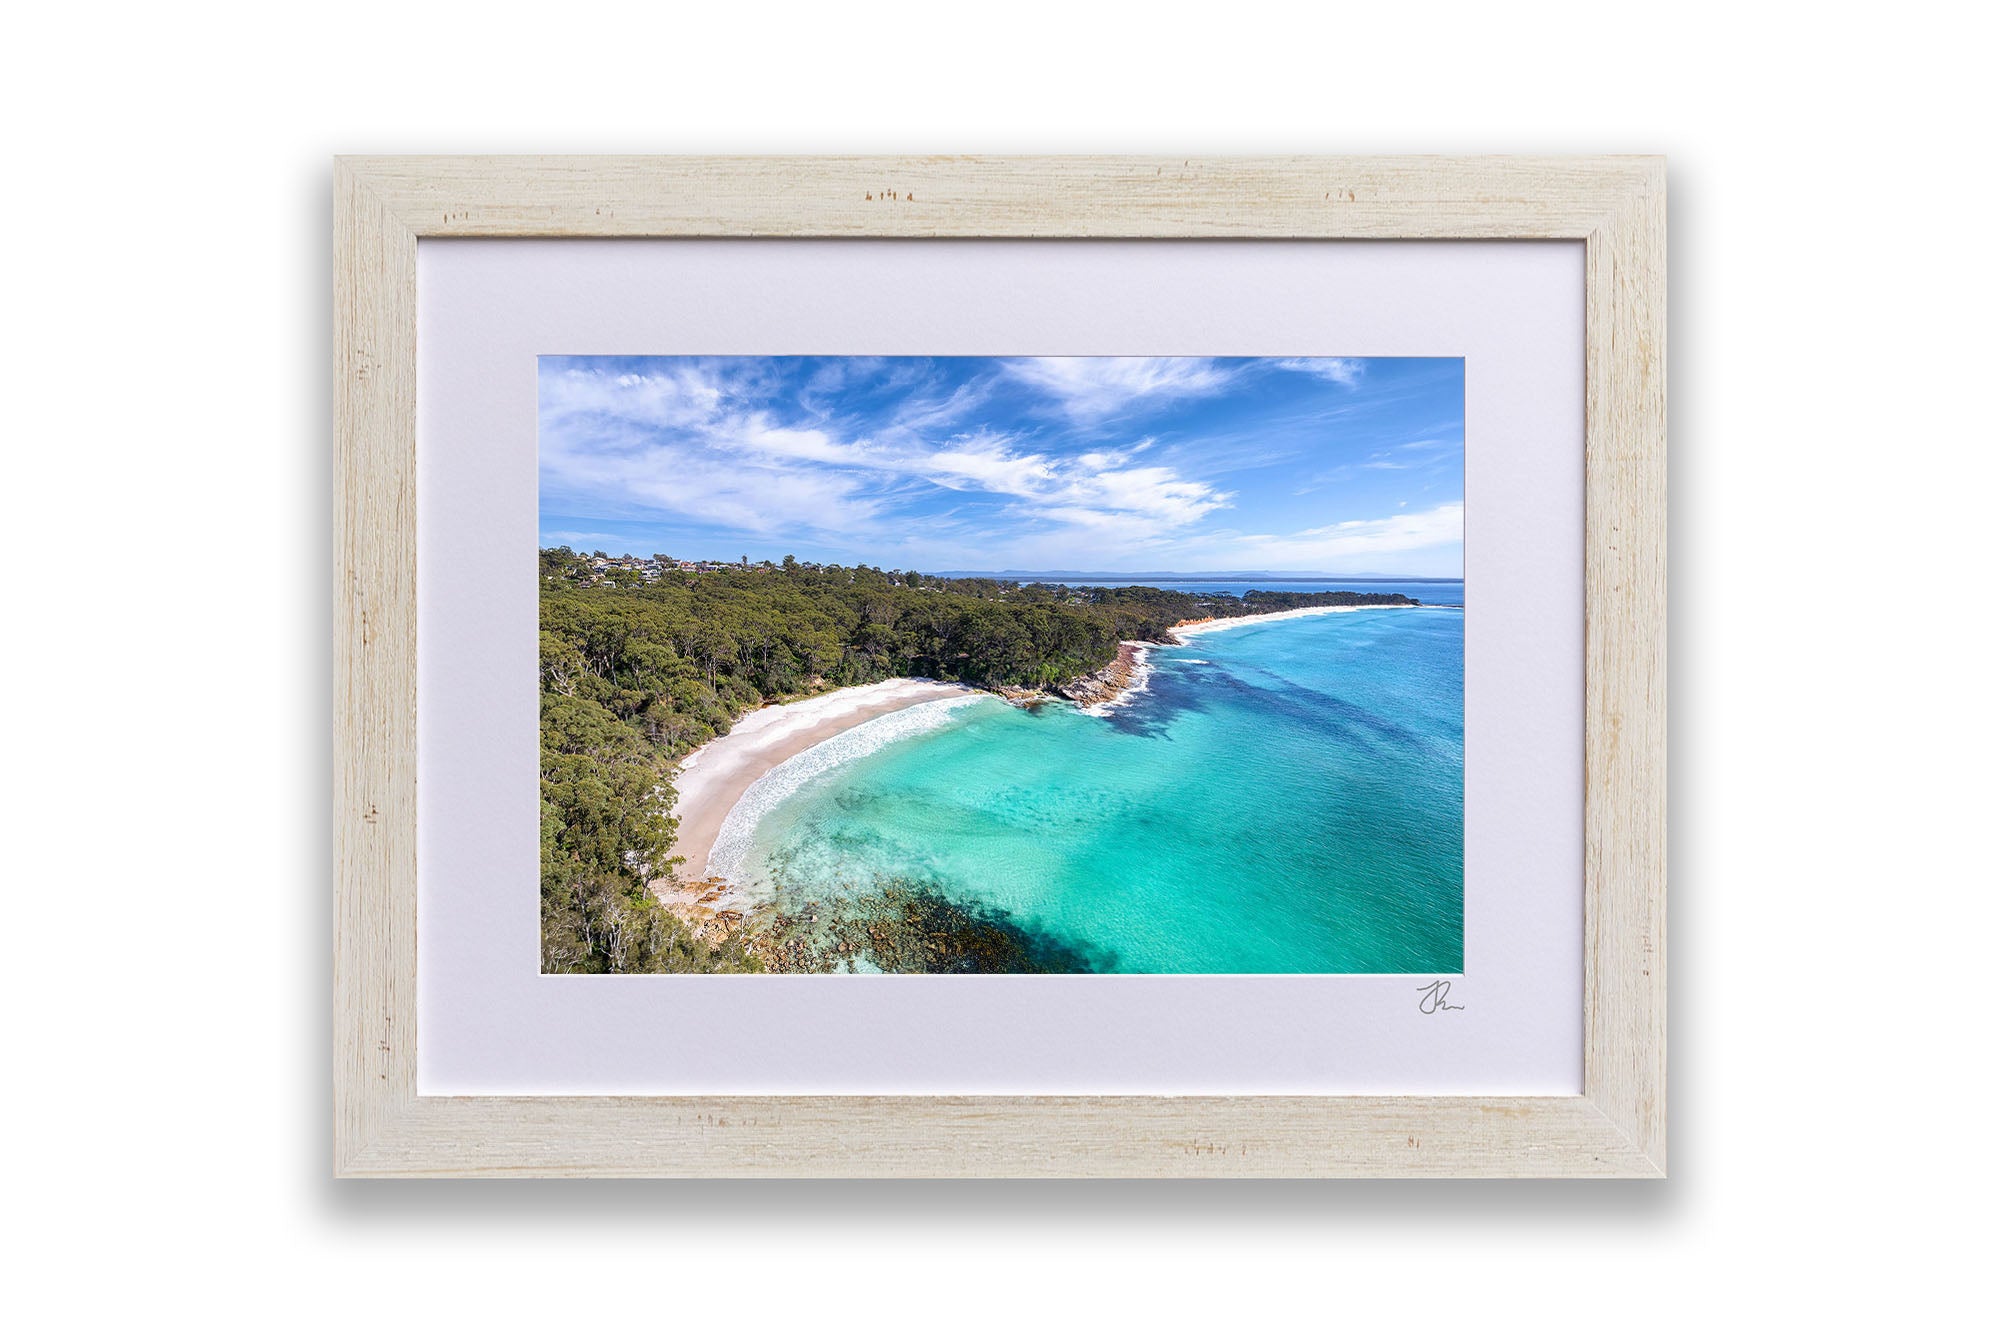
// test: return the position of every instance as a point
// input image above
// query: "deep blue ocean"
(1284, 796)
(1428, 591)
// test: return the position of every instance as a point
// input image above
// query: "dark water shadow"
(1315, 710)
(1167, 697)
(1151, 719)
(919, 927)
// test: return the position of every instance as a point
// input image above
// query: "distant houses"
(598, 568)
(560, 564)
(604, 568)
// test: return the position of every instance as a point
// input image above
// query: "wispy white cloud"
(1415, 454)
(921, 412)
(943, 465)
(683, 442)
(1090, 387)
(611, 473)
(677, 395)
(1354, 544)
(1333, 369)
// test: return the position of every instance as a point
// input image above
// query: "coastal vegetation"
(643, 661)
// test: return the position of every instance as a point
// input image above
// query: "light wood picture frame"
(383, 206)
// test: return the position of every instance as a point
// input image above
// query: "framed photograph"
(1000, 667)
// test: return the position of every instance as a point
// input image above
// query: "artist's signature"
(1435, 998)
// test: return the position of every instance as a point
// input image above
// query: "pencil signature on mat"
(1434, 998)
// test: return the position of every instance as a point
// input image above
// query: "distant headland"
(645, 660)
(1194, 576)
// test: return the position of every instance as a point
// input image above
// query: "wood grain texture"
(1354, 197)
(1001, 1136)
(375, 665)
(1625, 618)
(1616, 1127)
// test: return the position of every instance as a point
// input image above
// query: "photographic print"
(1001, 665)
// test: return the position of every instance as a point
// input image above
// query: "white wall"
(166, 478)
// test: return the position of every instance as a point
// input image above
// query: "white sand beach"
(1194, 628)
(712, 779)
(1135, 653)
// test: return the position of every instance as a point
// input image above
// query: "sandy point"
(713, 778)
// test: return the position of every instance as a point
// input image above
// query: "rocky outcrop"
(910, 926)
(709, 908)
(1105, 685)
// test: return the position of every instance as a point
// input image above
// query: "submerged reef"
(910, 926)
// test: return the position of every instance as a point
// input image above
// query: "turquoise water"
(1282, 797)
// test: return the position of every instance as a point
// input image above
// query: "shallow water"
(1284, 797)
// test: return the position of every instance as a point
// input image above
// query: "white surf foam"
(731, 850)
(1142, 675)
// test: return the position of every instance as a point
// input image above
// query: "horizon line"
(1194, 575)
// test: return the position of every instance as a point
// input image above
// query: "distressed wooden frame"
(383, 206)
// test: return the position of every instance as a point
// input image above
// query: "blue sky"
(1320, 465)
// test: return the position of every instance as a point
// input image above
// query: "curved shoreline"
(1195, 628)
(1142, 667)
(711, 780)
(714, 778)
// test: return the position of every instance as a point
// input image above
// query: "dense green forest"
(641, 662)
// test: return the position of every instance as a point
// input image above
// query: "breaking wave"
(726, 859)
